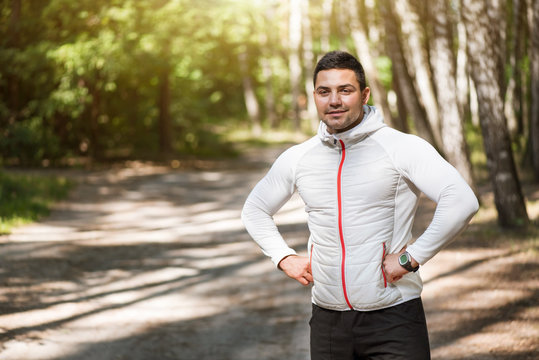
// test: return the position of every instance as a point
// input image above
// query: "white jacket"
(361, 190)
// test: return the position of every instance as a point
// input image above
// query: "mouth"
(336, 112)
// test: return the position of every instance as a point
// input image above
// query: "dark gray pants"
(395, 333)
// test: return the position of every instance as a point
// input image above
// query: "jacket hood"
(372, 121)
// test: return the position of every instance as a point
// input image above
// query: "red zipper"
(341, 233)
(383, 257)
(311, 260)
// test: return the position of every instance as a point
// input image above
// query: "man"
(360, 181)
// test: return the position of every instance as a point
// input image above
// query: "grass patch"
(27, 198)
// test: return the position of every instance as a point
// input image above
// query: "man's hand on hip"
(393, 270)
(298, 268)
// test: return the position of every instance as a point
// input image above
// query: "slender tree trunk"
(402, 77)
(474, 105)
(13, 41)
(417, 60)
(534, 69)
(251, 103)
(267, 70)
(133, 98)
(14, 22)
(443, 61)
(463, 88)
(164, 119)
(513, 95)
(521, 76)
(401, 106)
(308, 64)
(269, 102)
(361, 43)
(294, 42)
(325, 26)
(341, 13)
(483, 51)
(91, 114)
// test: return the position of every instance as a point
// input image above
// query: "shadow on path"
(150, 263)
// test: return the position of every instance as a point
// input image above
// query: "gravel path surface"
(144, 262)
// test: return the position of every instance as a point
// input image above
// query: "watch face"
(403, 259)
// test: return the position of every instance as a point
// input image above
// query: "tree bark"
(361, 43)
(417, 60)
(443, 65)
(401, 106)
(267, 70)
(513, 95)
(462, 71)
(341, 14)
(13, 40)
(251, 103)
(402, 77)
(325, 26)
(534, 64)
(164, 119)
(474, 106)
(294, 42)
(308, 64)
(269, 99)
(483, 51)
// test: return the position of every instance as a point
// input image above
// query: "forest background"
(95, 81)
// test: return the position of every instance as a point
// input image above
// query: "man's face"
(339, 100)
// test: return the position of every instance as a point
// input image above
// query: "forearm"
(455, 208)
(262, 228)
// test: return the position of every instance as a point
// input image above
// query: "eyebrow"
(338, 87)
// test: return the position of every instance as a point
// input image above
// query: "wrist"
(408, 262)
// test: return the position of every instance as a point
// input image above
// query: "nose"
(334, 99)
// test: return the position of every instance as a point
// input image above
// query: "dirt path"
(149, 263)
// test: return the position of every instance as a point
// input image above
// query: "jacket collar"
(372, 121)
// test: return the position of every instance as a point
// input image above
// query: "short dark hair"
(341, 60)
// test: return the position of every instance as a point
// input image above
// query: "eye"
(346, 91)
(322, 92)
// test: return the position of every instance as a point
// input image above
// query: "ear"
(365, 95)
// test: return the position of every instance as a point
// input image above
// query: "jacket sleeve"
(266, 198)
(456, 203)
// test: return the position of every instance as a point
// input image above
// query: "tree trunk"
(269, 99)
(402, 77)
(294, 42)
(463, 88)
(267, 71)
(251, 103)
(13, 42)
(341, 14)
(534, 69)
(164, 119)
(483, 52)
(361, 43)
(417, 61)
(308, 63)
(513, 95)
(92, 113)
(401, 106)
(443, 65)
(325, 26)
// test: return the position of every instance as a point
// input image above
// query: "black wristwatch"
(405, 260)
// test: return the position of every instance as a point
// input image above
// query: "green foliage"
(25, 198)
(83, 78)
(383, 66)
